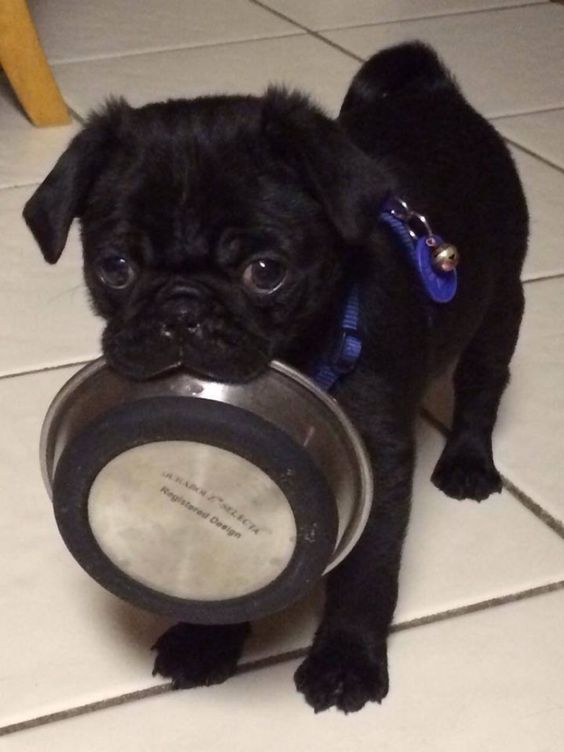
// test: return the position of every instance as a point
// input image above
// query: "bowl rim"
(365, 498)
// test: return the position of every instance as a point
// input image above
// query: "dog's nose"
(185, 304)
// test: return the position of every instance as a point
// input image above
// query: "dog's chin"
(141, 360)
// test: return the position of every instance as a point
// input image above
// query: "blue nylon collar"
(345, 352)
(440, 287)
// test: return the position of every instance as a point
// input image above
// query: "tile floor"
(476, 659)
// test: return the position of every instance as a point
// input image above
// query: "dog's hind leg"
(466, 467)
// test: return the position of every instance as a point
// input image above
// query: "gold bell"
(445, 257)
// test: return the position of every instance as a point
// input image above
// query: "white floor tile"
(71, 30)
(45, 319)
(69, 642)
(541, 132)
(229, 69)
(458, 553)
(507, 61)
(481, 683)
(27, 153)
(333, 14)
(528, 437)
(544, 188)
(65, 640)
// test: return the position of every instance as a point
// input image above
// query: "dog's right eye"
(264, 275)
(115, 271)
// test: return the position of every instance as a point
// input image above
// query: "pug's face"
(216, 232)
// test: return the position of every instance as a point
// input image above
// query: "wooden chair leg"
(26, 66)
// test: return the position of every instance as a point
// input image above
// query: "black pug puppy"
(225, 231)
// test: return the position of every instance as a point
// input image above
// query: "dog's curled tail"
(405, 68)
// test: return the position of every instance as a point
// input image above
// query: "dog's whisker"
(68, 291)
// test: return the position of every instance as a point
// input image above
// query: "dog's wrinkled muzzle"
(179, 340)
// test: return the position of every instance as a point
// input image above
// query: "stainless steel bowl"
(211, 502)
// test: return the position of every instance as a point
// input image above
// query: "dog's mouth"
(148, 352)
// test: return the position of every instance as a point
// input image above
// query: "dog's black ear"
(59, 199)
(347, 183)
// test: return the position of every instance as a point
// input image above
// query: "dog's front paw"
(462, 472)
(195, 655)
(342, 671)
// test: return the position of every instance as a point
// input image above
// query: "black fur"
(191, 191)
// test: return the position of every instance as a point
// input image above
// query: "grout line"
(141, 694)
(525, 113)
(283, 16)
(76, 115)
(173, 48)
(531, 153)
(62, 715)
(501, 600)
(309, 31)
(275, 660)
(31, 371)
(19, 185)
(542, 278)
(554, 524)
(523, 498)
(467, 12)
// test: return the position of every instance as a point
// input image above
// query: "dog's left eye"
(264, 275)
(115, 271)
